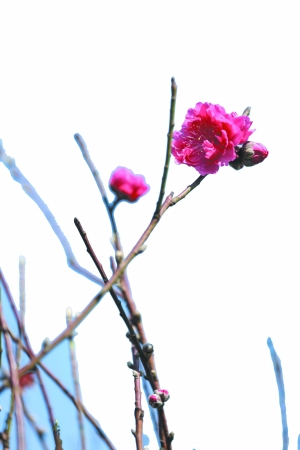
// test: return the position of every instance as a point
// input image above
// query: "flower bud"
(148, 348)
(163, 393)
(26, 380)
(126, 185)
(155, 401)
(253, 153)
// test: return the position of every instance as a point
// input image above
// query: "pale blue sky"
(221, 270)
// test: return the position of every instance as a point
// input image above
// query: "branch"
(169, 145)
(22, 263)
(187, 190)
(279, 380)
(109, 208)
(138, 412)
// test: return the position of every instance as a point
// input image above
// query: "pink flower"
(253, 153)
(163, 393)
(155, 401)
(208, 137)
(126, 185)
(26, 380)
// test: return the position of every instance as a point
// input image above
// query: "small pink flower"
(155, 401)
(208, 137)
(163, 393)
(126, 185)
(27, 380)
(253, 153)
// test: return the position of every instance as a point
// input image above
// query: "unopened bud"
(171, 436)
(148, 349)
(155, 401)
(130, 336)
(136, 317)
(119, 256)
(69, 314)
(163, 393)
(46, 343)
(253, 153)
(247, 111)
(142, 249)
(153, 373)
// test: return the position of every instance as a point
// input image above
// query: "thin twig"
(56, 432)
(22, 297)
(187, 190)
(169, 145)
(85, 153)
(279, 380)
(1, 350)
(138, 412)
(75, 375)
(47, 403)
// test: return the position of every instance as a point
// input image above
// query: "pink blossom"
(208, 137)
(163, 393)
(126, 185)
(253, 153)
(26, 380)
(155, 401)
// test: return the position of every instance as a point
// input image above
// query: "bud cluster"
(249, 154)
(158, 398)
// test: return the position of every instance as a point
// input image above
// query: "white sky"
(221, 272)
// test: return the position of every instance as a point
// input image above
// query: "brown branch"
(138, 412)
(187, 190)
(169, 144)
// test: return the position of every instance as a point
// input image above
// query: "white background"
(221, 272)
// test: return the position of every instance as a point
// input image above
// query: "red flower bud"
(253, 153)
(163, 393)
(126, 185)
(26, 380)
(155, 401)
